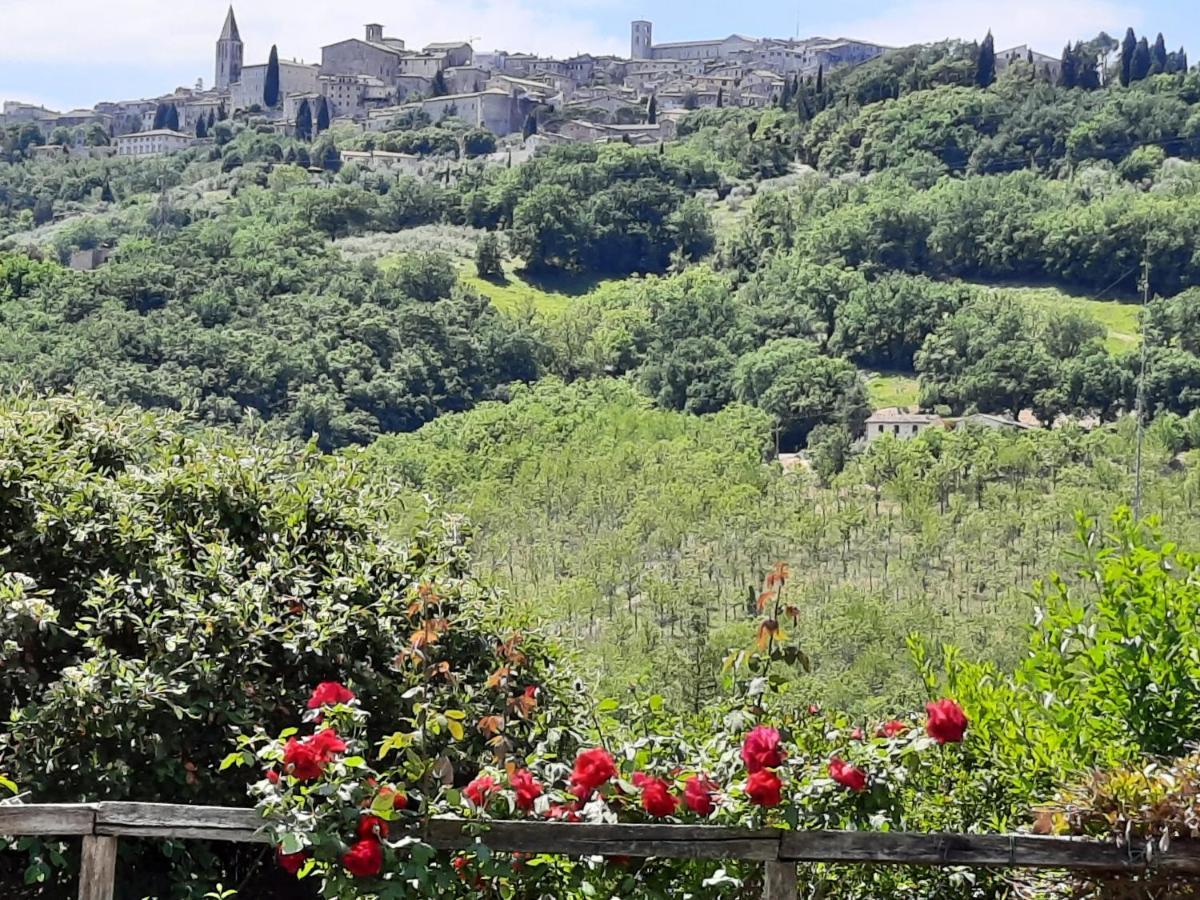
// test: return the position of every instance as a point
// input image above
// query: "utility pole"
(1141, 390)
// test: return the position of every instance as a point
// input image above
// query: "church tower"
(641, 46)
(229, 54)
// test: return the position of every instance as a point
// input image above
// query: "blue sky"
(67, 53)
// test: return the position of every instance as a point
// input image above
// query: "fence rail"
(102, 824)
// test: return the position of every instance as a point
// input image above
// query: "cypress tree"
(720, 97)
(160, 117)
(322, 115)
(304, 123)
(1128, 48)
(439, 85)
(652, 111)
(1158, 56)
(271, 82)
(1139, 67)
(171, 120)
(1069, 77)
(202, 127)
(786, 96)
(1087, 73)
(820, 79)
(531, 126)
(985, 63)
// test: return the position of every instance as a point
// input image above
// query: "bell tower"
(229, 54)
(642, 35)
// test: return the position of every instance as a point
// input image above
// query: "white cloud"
(154, 33)
(1045, 24)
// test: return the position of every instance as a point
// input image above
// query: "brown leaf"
(491, 725)
(499, 677)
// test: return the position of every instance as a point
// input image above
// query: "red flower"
(481, 790)
(527, 787)
(460, 862)
(329, 693)
(290, 862)
(305, 760)
(531, 692)
(698, 795)
(657, 798)
(847, 775)
(272, 776)
(813, 709)
(891, 728)
(562, 812)
(947, 721)
(760, 749)
(372, 828)
(399, 798)
(593, 769)
(328, 743)
(763, 788)
(364, 859)
(302, 760)
(857, 734)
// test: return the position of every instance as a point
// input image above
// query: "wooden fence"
(102, 824)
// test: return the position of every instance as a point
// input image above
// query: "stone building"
(294, 78)
(500, 112)
(900, 424)
(229, 54)
(152, 143)
(372, 55)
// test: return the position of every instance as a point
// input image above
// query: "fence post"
(780, 881)
(98, 868)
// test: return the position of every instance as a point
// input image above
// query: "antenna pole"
(1141, 390)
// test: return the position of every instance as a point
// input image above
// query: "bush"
(489, 260)
(163, 593)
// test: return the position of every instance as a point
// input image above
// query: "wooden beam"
(1008, 851)
(60, 819)
(164, 820)
(98, 868)
(779, 881)
(580, 839)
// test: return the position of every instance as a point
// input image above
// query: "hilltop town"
(372, 80)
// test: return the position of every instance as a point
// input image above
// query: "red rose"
(763, 788)
(372, 828)
(460, 862)
(657, 798)
(290, 862)
(272, 776)
(857, 734)
(698, 795)
(760, 749)
(561, 812)
(531, 692)
(593, 769)
(302, 760)
(329, 693)
(847, 775)
(364, 859)
(328, 743)
(481, 790)
(891, 729)
(527, 788)
(947, 721)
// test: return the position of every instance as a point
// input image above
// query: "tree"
(160, 117)
(652, 111)
(1139, 68)
(202, 127)
(489, 260)
(304, 122)
(439, 88)
(720, 97)
(1069, 77)
(171, 120)
(1158, 56)
(820, 79)
(271, 81)
(530, 127)
(322, 114)
(691, 100)
(985, 63)
(1128, 47)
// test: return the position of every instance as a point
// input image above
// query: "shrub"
(161, 593)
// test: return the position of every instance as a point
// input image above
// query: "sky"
(73, 53)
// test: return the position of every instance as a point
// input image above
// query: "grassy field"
(545, 294)
(1119, 319)
(888, 389)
